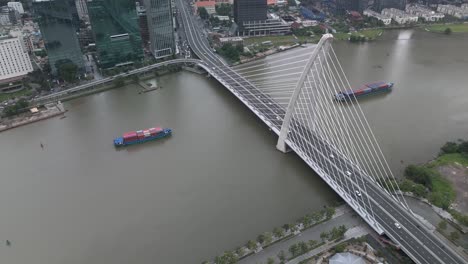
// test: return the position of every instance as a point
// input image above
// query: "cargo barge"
(366, 89)
(141, 136)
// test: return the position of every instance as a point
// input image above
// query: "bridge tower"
(333, 136)
(322, 46)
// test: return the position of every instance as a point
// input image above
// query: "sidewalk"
(354, 232)
(343, 216)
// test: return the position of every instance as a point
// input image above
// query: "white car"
(398, 225)
(348, 173)
(358, 193)
(331, 156)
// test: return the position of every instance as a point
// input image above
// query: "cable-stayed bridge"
(333, 138)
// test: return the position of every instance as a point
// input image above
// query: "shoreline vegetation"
(286, 231)
(442, 28)
(427, 182)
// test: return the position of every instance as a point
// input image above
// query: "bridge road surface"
(421, 245)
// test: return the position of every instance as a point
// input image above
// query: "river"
(218, 181)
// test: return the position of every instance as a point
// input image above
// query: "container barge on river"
(142, 136)
(366, 89)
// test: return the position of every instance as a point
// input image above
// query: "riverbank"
(454, 28)
(363, 35)
(49, 111)
(286, 233)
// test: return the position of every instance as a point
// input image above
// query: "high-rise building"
(82, 9)
(59, 23)
(143, 23)
(14, 59)
(379, 5)
(161, 28)
(249, 11)
(116, 32)
(9, 16)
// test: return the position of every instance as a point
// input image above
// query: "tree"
(419, 190)
(312, 243)
(330, 211)
(443, 224)
(340, 248)
(449, 147)
(278, 232)
(203, 13)
(294, 249)
(454, 235)
(227, 258)
(268, 238)
(291, 3)
(252, 245)
(324, 236)
(270, 260)
(261, 238)
(240, 251)
(287, 226)
(119, 81)
(463, 147)
(307, 220)
(17, 108)
(68, 71)
(223, 9)
(420, 175)
(282, 256)
(303, 247)
(317, 216)
(448, 31)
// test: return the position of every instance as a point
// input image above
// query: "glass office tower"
(59, 24)
(116, 31)
(161, 29)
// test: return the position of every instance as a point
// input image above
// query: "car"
(397, 225)
(332, 156)
(358, 193)
(348, 173)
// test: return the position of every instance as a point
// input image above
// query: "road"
(347, 219)
(419, 243)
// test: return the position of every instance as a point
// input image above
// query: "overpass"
(334, 139)
(92, 85)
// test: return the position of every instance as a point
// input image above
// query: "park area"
(455, 28)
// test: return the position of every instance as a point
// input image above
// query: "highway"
(374, 203)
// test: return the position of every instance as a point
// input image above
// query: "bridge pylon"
(322, 46)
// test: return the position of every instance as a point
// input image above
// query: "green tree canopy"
(224, 9)
(203, 13)
(68, 71)
(443, 224)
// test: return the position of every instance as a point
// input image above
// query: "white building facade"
(424, 12)
(385, 19)
(458, 12)
(17, 6)
(14, 60)
(399, 16)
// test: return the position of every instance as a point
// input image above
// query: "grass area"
(370, 34)
(442, 190)
(456, 28)
(450, 158)
(7, 96)
(279, 40)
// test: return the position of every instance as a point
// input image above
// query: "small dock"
(147, 87)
